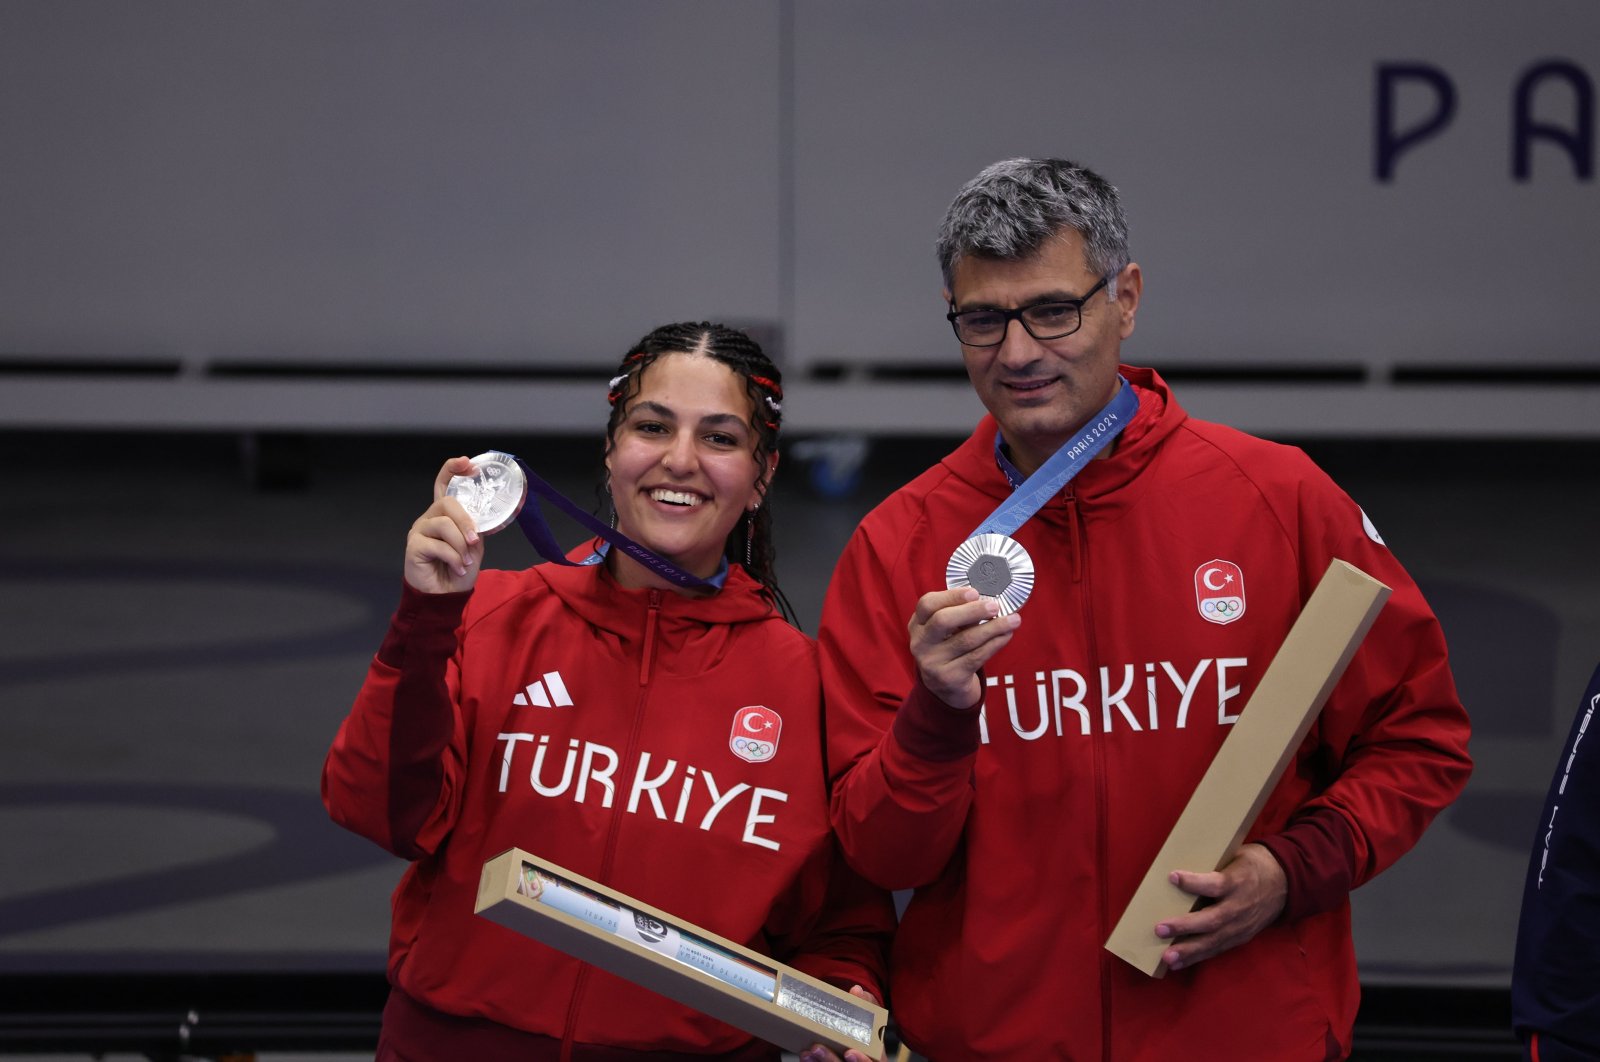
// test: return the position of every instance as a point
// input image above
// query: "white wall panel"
(1241, 134)
(378, 180)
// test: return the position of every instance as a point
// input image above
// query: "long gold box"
(678, 959)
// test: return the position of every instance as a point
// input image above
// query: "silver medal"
(493, 494)
(995, 566)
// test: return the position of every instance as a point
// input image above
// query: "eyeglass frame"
(1016, 315)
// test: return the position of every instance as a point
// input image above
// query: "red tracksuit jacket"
(1026, 827)
(597, 727)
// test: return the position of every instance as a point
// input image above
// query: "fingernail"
(1163, 931)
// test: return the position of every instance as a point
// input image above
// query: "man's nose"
(1017, 346)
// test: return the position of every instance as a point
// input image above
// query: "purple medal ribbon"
(538, 533)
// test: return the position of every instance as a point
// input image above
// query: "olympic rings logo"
(756, 750)
(1225, 606)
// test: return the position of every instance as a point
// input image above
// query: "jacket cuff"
(1318, 853)
(930, 729)
(422, 622)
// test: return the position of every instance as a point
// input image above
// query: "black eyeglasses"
(1043, 320)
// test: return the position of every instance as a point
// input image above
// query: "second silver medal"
(995, 566)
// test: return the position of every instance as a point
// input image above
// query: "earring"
(749, 538)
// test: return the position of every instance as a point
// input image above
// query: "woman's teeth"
(675, 497)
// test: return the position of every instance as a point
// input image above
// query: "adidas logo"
(548, 692)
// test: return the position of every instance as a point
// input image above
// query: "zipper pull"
(649, 635)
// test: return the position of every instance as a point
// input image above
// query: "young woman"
(592, 715)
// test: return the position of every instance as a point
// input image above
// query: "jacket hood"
(1109, 480)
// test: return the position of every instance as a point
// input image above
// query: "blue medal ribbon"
(1068, 460)
(538, 533)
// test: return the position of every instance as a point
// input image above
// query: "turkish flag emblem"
(755, 733)
(1219, 591)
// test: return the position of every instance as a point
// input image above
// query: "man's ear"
(1130, 289)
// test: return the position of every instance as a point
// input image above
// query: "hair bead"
(771, 385)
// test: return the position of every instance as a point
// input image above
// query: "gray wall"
(371, 180)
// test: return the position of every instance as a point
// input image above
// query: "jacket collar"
(592, 593)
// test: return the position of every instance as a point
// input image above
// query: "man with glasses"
(1020, 769)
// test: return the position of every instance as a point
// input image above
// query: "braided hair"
(750, 542)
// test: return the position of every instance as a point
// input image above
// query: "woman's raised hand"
(444, 549)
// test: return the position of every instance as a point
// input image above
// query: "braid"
(763, 383)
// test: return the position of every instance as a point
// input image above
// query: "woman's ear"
(765, 482)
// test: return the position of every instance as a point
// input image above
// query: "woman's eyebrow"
(656, 408)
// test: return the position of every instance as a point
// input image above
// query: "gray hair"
(1010, 209)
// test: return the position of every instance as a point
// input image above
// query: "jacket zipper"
(1078, 552)
(1074, 535)
(649, 636)
(613, 832)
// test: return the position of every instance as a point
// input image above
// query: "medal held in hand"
(995, 566)
(493, 494)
